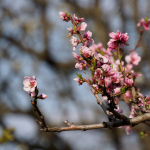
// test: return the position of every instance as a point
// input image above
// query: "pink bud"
(43, 96)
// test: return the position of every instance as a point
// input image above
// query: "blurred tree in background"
(33, 42)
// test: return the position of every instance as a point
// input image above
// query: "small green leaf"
(79, 76)
(74, 27)
(124, 89)
(90, 82)
(66, 14)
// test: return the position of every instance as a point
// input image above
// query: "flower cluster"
(145, 23)
(109, 75)
(30, 86)
(118, 38)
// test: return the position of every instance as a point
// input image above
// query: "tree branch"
(117, 123)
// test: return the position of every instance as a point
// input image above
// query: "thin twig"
(99, 101)
(42, 123)
(138, 43)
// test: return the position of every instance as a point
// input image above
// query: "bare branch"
(117, 123)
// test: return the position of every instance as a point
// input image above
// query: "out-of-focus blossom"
(132, 115)
(43, 96)
(81, 65)
(117, 90)
(98, 73)
(75, 55)
(87, 37)
(71, 31)
(118, 109)
(29, 84)
(63, 16)
(128, 94)
(128, 129)
(77, 20)
(101, 58)
(128, 82)
(133, 58)
(145, 23)
(32, 94)
(85, 51)
(78, 80)
(82, 27)
(74, 41)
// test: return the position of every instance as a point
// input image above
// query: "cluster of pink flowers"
(117, 38)
(145, 23)
(30, 86)
(109, 75)
(106, 71)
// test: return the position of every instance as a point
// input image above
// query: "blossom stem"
(92, 86)
(138, 43)
(121, 67)
(76, 28)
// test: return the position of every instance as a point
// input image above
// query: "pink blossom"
(29, 84)
(116, 77)
(117, 38)
(96, 48)
(117, 90)
(105, 98)
(128, 82)
(133, 58)
(71, 31)
(128, 67)
(82, 27)
(81, 65)
(96, 86)
(128, 129)
(98, 73)
(87, 36)
(118, 110)
(32, 94)
(101, 58)
(132, 115)
(76, 56)
(145, 23)
(78, 19)
(108, 71)
(43, 96)
(107, 81)
(85, 51)
(78, 80)
(63, 16)
(74, 41)
(128, 94)
(101, 81)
